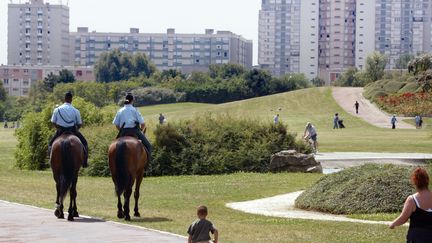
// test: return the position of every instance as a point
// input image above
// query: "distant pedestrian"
(5, 124)
(199, 231)
(421, 122)
(357, 105)
(336, 121)
(417, 121)
(417, 209)
(276, 119)
(393, 121)
(161, 119)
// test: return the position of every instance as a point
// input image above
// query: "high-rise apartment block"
(288, 31)
(38, 33)
(186, 52)
(337, 26)
(339, 34)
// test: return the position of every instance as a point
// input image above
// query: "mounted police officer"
(129, 122)
(67, 118)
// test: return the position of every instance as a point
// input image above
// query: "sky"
(155, 16)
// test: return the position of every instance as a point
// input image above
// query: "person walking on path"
(336, 121)
(393, 121)
(161, 119)
(276, 119)
(357, 106)
(418, 209)
(417, 121)
(199, 231)
(310, 133)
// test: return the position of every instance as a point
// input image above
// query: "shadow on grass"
(151, 220)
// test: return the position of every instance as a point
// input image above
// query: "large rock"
(291, 161)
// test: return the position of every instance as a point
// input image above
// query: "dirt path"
(346, 97)
(20, 223)
(283, 206)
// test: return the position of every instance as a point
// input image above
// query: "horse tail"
(122, 176)
(67, 166)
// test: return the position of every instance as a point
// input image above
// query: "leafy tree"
(171, 74)
(258, 81)
(3, 94)
(288, 82)
(116, 66)
(64, 76)
(318, 82)
(403, 61)
(421, 66)
(375, 66)
(226, 71)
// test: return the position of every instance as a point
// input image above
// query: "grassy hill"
(297, 108)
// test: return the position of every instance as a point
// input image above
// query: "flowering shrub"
(409, 104)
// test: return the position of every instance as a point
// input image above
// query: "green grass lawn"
(168, 203)
(314, 105)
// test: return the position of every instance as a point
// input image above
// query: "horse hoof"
(127, 218)
(70, 217)
(76, 215)
(58, 214)
(137, 214)
(120, 215)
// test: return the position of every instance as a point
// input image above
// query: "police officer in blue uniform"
(129, 122)
(67, 118)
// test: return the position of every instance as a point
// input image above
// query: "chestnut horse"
(67, 156)
(127, 162)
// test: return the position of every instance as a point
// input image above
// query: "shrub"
(366, 189)
(409, 104)
(217, 145)
(153, 96)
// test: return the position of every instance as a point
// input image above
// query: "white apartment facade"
(171, 50)
(288, 31)
(38, 34)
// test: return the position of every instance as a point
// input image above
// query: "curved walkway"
(346, 97)
(283, 206)
(20, 223)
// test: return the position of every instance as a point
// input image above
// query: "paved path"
(346, 97)
(283, 206)
(20, 223)
(345, 160)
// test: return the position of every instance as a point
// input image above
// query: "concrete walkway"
(345, 160)
(283, 207)
(346, 98)
(20, 223)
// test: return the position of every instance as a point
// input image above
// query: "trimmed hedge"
(366, 189)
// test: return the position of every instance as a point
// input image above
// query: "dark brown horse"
(127, 162)
(66, 159)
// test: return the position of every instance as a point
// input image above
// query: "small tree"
(375, 66)
(3, 94)
(226, 71)
(403, 61)
(66, 76)
(421, 66)
(258, 81)
(318, 82)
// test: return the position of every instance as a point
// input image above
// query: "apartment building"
(288, 31)
(38, 34)
(337, 32)
(170, 50)
(17, 80)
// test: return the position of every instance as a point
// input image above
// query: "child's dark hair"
(202, 210)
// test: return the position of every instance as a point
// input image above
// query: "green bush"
(154, 96)
(393, 86)
(217, 145)
(366, 189)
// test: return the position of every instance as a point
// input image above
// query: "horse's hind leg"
(120, 213)
(74, 207)
(59, 204)
(127, 196)
(71, 210)
(137, 195)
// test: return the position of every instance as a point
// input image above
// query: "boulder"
(291, 161)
